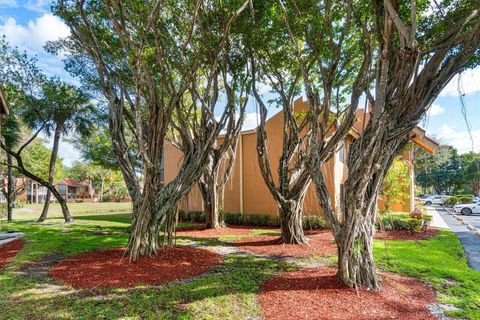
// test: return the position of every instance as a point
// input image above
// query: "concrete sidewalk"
(470, 241)
(437, 220)
(6, 237)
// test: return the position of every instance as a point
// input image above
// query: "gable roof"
(418, 135)
(70, 182)
(3, 103)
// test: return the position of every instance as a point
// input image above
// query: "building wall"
(246, 191)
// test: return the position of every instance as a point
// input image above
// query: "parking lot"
(473, 220)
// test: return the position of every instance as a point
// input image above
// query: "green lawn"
(440, 262)
(78, 210)
(228, 293)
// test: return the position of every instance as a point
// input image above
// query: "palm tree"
(64, 110)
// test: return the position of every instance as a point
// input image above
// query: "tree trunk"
(51, 172)
(100, 196)
(151, 211)
(356, 266)
(10, 188)
(209, 190)
(291, 222)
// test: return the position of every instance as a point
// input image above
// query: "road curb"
(466, 224)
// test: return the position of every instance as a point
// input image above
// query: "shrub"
(191, 216)
(314, 222)
(233, 218)
(451, 201)
(466, 199)
(261, 220)
(414, 222)
(197, 216)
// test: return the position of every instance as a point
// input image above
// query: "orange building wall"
(256, 197)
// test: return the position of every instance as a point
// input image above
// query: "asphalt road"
(473, 220)
(468, 238)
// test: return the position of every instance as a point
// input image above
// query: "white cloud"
(38, 5)
(435, 110)
(459, 139)
(8, 4)
(470, 83)
(251, 121)
(35, 34)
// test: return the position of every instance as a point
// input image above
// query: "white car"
(467, 209)
(438, 200)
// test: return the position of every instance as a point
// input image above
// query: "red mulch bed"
(106, 268)
(8, 252)
(406, 235)
(320, 243)
(215, 233)
(315, 294)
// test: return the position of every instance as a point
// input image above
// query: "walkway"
(468, 238)
(9, 236)
(437, 220)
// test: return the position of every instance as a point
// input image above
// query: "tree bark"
(51, 171)
(156, 214)
(100, 196)
(10, 189)
(209, 190)
(356, 266)
(291, 222)
(21, 168)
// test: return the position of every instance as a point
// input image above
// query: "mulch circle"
(406, 235)
(8, 252)
(316, 294)
(320, 243)
(108, 268)
(197, 232)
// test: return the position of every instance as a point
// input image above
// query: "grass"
(228, 293)
(32, 211)
(441, 262)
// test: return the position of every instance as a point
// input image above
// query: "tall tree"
(21, 74)
(97, 147)
(442, 171)
(417, 54)
(155, 60)
(274, 63)
(221, 157)
(330, 56)
(471, 165)
(64, 110)
(9, 187)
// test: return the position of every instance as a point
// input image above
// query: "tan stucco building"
(246, 191)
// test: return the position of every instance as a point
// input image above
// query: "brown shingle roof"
(70, 182)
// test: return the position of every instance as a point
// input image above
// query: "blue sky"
(29, 24)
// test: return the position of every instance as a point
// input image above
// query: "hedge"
(309, 222)
(401, 221)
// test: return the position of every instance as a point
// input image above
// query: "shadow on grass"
(227, 292)
(116, 217)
